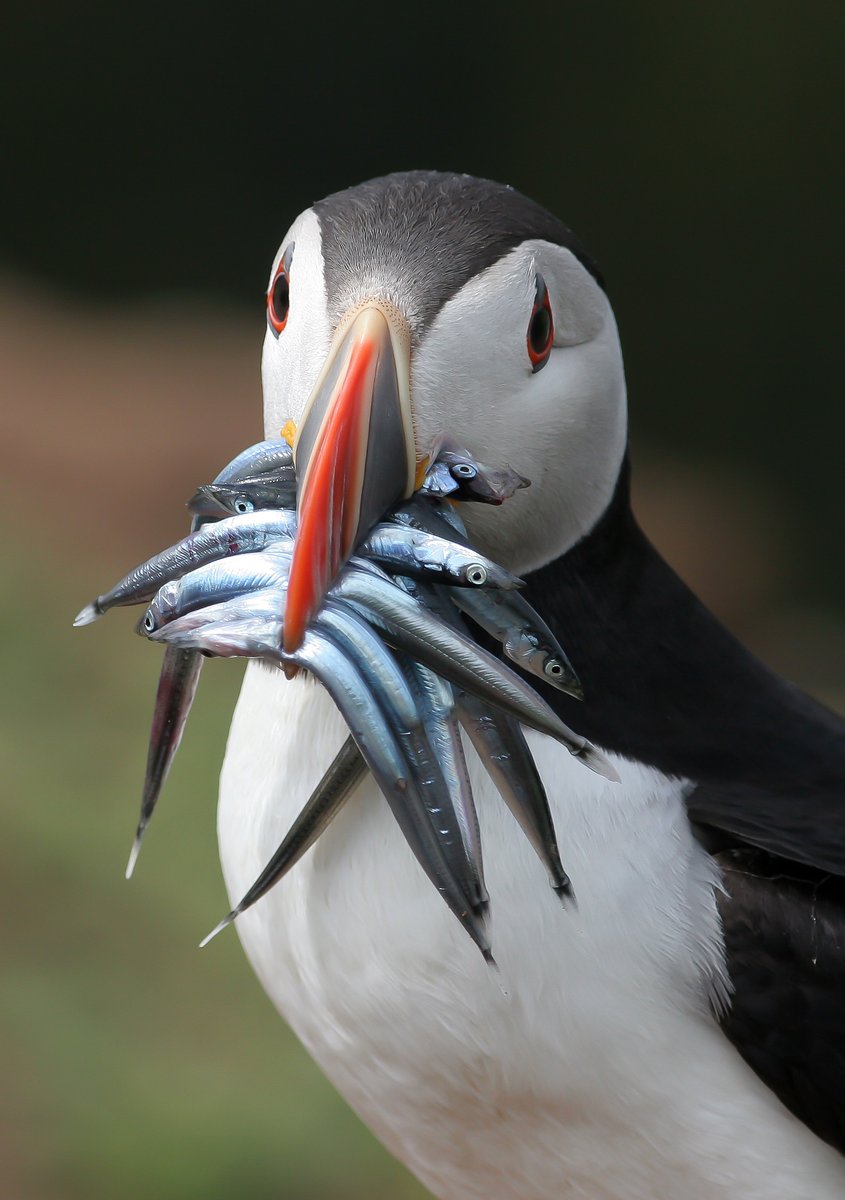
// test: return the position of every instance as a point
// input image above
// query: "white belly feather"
(589, 1066)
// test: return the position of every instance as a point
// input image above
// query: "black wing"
(785, 941)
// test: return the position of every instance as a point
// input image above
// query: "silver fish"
(237, 499)
(436, 702)
(235, 535)
(262, 458)
(502, 748)
(389, 686)
(525, 636)
(331, 793)
(178, 681)
(268, 464)
(456, 474)
(425, 555)
(248, 626)
(217, 582)
(177, 686)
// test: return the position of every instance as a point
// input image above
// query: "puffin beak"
(354, 453)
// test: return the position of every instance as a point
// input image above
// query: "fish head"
(161, 609)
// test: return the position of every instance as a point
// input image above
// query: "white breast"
(589, 1066)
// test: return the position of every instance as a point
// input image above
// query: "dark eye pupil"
(538, 334)
(281, 298)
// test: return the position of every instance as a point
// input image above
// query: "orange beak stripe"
(328, 512)
(354, 451)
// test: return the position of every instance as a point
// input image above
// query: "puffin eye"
(541, 328)
(278, 295)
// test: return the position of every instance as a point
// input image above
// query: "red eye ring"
(278, 294)
(541, 328)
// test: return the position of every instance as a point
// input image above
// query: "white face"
(472, 385)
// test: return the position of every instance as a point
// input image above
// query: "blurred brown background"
(155, 157)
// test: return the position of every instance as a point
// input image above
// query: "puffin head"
(427, 309)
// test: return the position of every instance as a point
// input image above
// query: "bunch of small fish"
(391, 647)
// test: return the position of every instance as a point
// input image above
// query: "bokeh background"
(154, 156)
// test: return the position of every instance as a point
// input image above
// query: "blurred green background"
(155, 156)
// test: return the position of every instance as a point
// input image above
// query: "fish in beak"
(354, 452)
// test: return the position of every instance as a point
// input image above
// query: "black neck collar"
(665, 683)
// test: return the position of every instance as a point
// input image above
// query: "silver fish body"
(177, 686)
(407, 720)
(501, 746)
(223, 539)
(218, 581)
(375, 661)
(249, 625)
(262, 458)
(525, 637)
(343, 775)
(268, 463)
(456, 474)
(436, 702)
(249, 495)
(430, 556)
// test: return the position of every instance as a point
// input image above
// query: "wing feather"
(784, 928)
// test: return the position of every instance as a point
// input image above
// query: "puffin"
(678, 1030)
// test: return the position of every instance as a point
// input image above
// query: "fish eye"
(464, 471)
(476, 574)
(278, 294)
(243, 505)
(553, 668)
(541, 327)
(149, 621)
